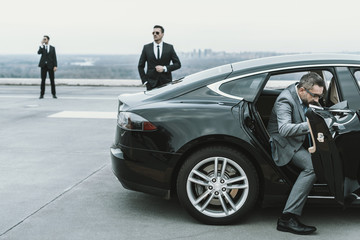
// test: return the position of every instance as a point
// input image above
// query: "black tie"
(46, 48)
(158, 52)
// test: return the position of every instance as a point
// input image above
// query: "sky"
(124, 26)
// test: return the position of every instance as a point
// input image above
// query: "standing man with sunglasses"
(158, 56)
(48, 64)
(289, 139)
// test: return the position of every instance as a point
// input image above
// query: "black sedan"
(203, 138)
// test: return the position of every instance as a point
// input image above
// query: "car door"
(335, 135)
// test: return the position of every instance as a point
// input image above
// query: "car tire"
(221, 198)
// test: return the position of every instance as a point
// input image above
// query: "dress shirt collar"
(296, 90)
(160, 44)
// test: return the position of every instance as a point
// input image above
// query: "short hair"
(48, 38)
(158, 26)
(310, 79)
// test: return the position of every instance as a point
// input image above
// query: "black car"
(204, 138)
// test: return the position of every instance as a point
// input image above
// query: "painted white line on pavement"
(17, 96)
(84, 114)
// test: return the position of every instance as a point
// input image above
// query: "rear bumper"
(136, 176)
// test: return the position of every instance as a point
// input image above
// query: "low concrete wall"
(73, 82)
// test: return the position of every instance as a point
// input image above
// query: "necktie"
(46, 48)
(158, 52)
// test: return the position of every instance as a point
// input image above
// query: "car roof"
(227, 71)
(283, 61)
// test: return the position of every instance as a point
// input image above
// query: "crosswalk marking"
(84, 114)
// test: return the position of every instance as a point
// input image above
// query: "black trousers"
(44, 71)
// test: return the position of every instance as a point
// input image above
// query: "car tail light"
(133, 122)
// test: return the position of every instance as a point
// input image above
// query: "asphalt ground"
(56, 180)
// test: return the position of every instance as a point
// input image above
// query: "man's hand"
(55, 68)
(159, 68)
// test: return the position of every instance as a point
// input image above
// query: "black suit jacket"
(151, 76)
(47, 59)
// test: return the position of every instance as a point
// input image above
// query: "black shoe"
(293, 225)
(352, 197)
(54, 96)
(41, 97)
(356, 193)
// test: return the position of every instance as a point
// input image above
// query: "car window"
(281, 81)
(246, 87)
(357, 76)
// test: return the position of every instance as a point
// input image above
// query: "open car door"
(335, 134)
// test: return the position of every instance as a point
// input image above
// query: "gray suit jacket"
(287, 126)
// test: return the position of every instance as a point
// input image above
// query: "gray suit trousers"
(303, 184)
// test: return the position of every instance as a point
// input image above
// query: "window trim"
(216, 86)
(353, 71)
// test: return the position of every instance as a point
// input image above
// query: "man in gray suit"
(289, 139)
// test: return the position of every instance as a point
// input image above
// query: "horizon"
(103, 66)
(187, 52)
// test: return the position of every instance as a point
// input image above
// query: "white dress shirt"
(161, 50)
(297, 93)
(48, 47)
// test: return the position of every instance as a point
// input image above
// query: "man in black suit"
(48, 63)
(158, 56)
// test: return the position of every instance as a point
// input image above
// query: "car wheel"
(217, 185)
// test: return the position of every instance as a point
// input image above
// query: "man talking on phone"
(48, 64)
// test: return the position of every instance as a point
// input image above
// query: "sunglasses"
(313, 94)
(155, 33)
